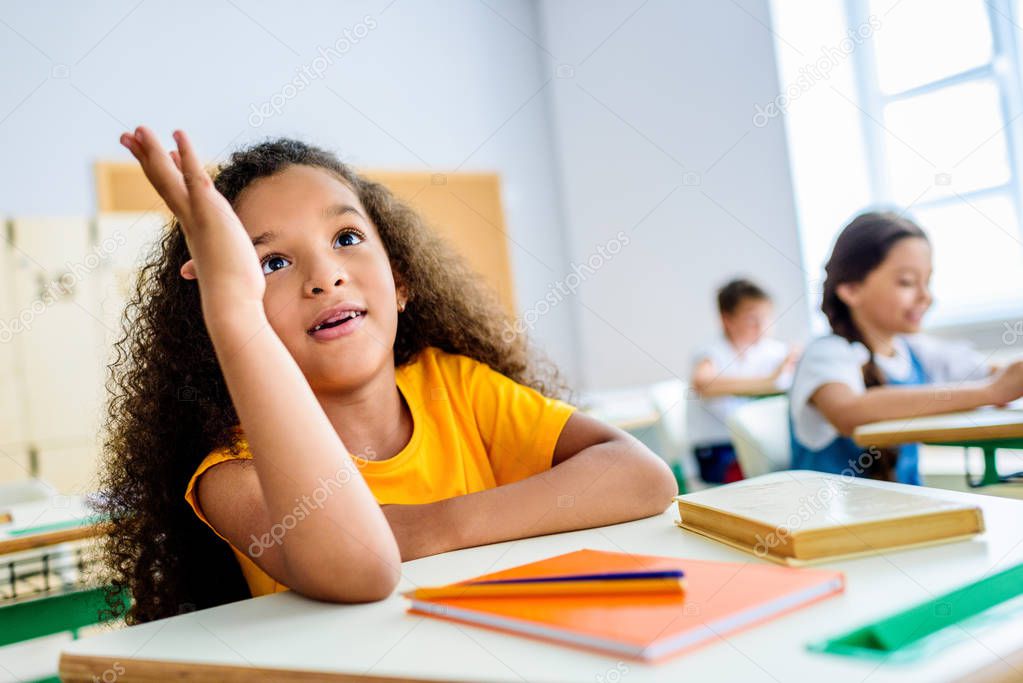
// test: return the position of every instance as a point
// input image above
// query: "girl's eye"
(272, 263)
(348, 238)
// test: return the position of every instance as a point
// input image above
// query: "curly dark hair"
(169, 406)
(860, 248)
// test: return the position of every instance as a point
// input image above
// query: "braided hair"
(860, 248)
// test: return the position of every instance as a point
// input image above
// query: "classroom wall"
(653, 112)
(603, 118)
(390, 85)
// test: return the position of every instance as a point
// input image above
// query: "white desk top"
(37, 523)
(380, 640)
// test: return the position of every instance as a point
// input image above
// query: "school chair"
(669, 400)
(654, 414)
(47, 588)
(47, 568)
(760, 435)
(52, 615)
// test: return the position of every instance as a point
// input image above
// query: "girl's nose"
(324, 278)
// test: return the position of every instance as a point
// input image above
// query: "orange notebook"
(722, 597)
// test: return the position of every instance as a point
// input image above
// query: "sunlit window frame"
(1003, 70)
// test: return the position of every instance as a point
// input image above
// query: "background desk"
(301, 640)
(988, 429)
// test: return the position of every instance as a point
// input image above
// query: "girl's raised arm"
(344, 549)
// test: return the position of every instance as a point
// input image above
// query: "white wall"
(655, 137)
(420, 85)
(601, 117)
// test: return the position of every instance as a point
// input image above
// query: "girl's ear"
(848, 293)
(188, 270)
(401, 294)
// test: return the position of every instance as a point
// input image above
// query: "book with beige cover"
(798, 517)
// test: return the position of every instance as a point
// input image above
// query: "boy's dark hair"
(735, 292)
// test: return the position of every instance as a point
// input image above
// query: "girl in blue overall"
(875, 366)
(845, 456)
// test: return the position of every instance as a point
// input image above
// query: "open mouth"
(337, 325)
(334, 321)
(915, 316)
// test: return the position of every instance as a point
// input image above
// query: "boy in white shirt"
(731, 371)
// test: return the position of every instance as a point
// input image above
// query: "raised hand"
(788, 364)
(1007, 384)
(223, 258)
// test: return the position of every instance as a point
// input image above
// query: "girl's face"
(330, 294)
(894, 296)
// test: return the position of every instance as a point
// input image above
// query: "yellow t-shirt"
(473, 429)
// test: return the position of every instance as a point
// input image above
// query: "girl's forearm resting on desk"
(847, 410)
(615, 480)
(297, 449)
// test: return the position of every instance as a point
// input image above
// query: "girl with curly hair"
(311, 388)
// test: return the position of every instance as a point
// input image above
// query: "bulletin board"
(464, 208)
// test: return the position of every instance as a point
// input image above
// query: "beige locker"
(71, 469)
(55, 271)
(13, 447)
(128, 237)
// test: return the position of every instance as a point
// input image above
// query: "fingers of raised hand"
(188, 162)
(201, 192)
(159, 168)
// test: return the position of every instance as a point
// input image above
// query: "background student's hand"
(1007, 384)
(789, 364)
(223, 258)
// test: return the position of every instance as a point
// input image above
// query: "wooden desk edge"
(89, 668)
(29, 541)
(1002, 670)
(938, 436)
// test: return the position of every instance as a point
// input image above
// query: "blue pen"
(668, 574)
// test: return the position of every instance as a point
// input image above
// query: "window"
(914, 105)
